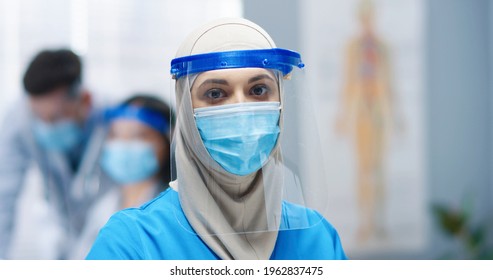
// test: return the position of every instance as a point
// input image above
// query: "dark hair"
(51, 69)
(152, 103)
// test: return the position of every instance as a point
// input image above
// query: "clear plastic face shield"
(237, 145)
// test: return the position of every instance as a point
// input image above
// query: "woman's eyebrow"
(214, 81)
(260, 77)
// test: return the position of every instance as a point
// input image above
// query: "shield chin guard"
(287, 198)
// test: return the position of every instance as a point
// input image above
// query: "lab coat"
(66, 190)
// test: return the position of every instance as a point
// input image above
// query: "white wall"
(126, 45)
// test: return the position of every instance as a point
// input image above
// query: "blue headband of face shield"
(278, 59)
(148, 117)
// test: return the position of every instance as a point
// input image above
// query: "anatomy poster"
(365, 70)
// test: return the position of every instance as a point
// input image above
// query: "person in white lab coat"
(56, 128)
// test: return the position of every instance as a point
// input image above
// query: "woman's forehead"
(235, 75)
(127, 124)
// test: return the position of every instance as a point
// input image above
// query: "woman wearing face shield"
(134, 159)
(229, 199)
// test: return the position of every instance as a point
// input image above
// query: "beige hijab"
(236, 216)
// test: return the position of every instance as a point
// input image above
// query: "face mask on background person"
(60, 136)
(129, 162)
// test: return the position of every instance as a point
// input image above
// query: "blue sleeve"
(336, 241)
(117, 240)
(14, 160)
(338, 251)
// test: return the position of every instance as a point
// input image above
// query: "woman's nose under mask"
(239, 137)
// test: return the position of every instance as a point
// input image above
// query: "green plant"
(456, 223)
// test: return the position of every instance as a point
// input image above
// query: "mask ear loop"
(280, 85)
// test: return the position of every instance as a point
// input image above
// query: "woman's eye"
(214, 94)
(259, 90)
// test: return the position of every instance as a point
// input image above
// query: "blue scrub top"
(160, 230)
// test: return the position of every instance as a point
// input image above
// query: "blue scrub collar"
(278, 59)
(146, 116)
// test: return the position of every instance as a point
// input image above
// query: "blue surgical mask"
(60, 136)
(241, 136)
(129, 161)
